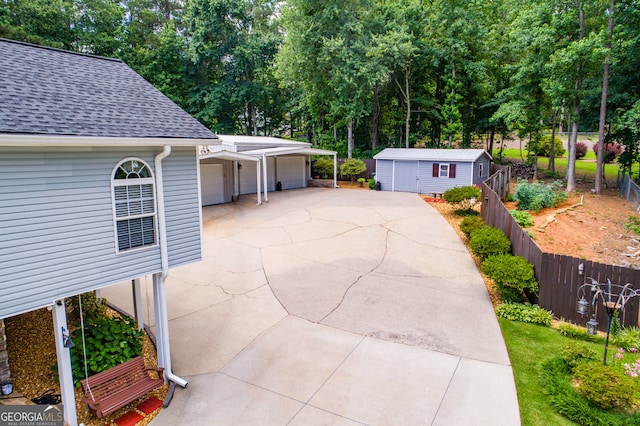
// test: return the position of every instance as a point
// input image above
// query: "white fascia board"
(229, 155)
(94, 141)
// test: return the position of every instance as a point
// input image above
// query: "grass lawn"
(585, 168)
(528, 345)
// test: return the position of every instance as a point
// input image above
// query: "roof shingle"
(55, 92)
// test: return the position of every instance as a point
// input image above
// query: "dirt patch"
(589, 226)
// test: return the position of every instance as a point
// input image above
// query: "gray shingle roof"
(56, 92)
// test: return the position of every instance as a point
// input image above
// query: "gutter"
(164, 257)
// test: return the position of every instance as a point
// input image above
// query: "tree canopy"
(360, 75)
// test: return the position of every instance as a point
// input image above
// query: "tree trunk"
(603, 104)
(376, 118)
(408, 96)
(491, 138)
(350, 141)
(453, 97)
(571, 160)
(552, 147)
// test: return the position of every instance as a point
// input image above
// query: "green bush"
(605, 386)
(627, 338)
(109, 342)
(372, 183)
(562, 395)
(470, 224)
(633, 224)
(323, 167)
(573, 331)
(462, 198)
(513, 275)
(489, 241)
(92, 307)
(544, 147)
(525, 312)
(575, 354)
(536, 195)
(523, 218)
(352, 168)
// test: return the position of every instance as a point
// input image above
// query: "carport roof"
(229, 155)
(273, 152)
(426, 154)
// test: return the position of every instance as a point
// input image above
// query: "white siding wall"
(56, 231)
(384, 174)
(477, 179)
(438, 185)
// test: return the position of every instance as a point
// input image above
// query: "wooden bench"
(116, 387)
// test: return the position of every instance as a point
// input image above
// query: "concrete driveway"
(332, 307)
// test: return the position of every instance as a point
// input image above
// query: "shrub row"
(513, 276)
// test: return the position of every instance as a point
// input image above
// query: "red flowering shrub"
(611, 151)
(581, 149)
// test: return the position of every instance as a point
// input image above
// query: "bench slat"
(120, 385)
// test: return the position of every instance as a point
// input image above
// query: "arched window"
(134, 205)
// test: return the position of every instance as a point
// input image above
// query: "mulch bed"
(32, 356)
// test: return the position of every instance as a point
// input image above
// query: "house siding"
(57, 231)
(477, 179)
(438, 185)
(384, 174)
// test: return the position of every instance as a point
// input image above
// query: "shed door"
(247, 177)
(212, 184)
(405, 177)
(290, 171)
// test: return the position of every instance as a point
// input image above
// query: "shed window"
(444, 170)
(134, 205)
(481, 169)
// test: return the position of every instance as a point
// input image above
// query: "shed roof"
(427, 154)
(48, 91)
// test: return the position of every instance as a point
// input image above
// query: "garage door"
(405, 177)
(212, 184)
(290, 171)
(247, 177)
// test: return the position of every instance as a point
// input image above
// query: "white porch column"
(236, 181)
(137, 303)
(258, 181)
(264, 175)
(64, 363)
(335, 170)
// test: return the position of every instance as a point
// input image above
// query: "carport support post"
(335, 170)
(137, 303)
(236, 184)
(264, 175)
(258, 181)
(64, 363)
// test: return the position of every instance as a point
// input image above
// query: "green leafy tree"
(352, 168)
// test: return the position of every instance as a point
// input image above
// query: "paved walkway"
(333, 307)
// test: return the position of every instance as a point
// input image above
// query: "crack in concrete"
(357, 280)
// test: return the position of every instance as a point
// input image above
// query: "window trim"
(480, 169)
(128, 182)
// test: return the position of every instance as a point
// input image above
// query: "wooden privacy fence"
(559, 276)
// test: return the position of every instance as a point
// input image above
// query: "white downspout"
(164, 257)
(335, 170)
(264, 175)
